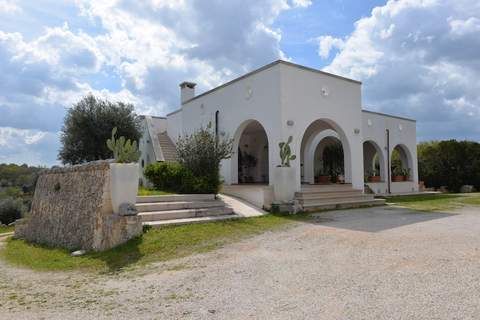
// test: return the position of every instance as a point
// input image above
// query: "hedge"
(174, 177)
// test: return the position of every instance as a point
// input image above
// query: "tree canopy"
(88, 125)
(449, 163)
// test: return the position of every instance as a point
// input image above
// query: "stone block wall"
(72, 209)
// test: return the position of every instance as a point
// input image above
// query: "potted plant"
(397, 174)
(406, 174)
(323, 176)
(284, 186)
(374, 176)
(124, 174)
(339, 175)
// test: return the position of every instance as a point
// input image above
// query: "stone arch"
(371, 150)
(251, 139)
(316, 131)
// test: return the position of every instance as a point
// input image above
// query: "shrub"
(10, 210)
(200, 154)
(174, 177)
(165, 175)
(197, 171)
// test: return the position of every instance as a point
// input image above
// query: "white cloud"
(28, 146)
(459, 27)
(9, 6)
(327, 43)
(302, 3)
(133, 51)
(418, 59)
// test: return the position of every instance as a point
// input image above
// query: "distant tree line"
(449, 163)
(17, 184)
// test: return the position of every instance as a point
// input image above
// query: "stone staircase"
(168, 148)
(334, 196)
(159, 211)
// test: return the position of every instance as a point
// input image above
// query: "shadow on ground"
(374, 219)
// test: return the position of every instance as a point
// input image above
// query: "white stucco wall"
(255, 97)
(289, 100)
(146, 145)
(308, 96)
(402, 132)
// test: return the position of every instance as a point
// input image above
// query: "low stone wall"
(72, 209)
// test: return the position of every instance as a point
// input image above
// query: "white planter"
(123, 184)
(284, 183)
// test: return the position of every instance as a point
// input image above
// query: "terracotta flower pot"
(398, 178)
(324, 179)
(374, 179)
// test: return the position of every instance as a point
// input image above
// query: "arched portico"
(250, 159)
(317, 131)
(373, 160)
(310, 150)
(401, 163)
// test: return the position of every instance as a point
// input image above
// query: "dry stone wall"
(72, 209)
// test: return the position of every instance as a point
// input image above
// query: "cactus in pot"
(124, 151)
(286, 153)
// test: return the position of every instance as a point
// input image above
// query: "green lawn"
(181, 241)
(436, 202)
(154, 245)
(142, 191)
(6, 229)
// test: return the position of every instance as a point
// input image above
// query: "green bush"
(10, 210)
(174, 177)
(165, 176)
(197, 171)
(449, 163)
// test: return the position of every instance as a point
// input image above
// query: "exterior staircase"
(159, 211)
(168, 147)
(334, 196)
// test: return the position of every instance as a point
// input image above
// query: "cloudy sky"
(416, 58)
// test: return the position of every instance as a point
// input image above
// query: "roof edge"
(267, 66)
(389, 115)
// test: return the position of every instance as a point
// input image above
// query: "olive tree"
(89, 123)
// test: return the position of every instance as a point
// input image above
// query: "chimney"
(187, 91)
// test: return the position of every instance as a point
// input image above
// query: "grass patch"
(142, 191)
(436, 202)
(6, 229)
(153, 246)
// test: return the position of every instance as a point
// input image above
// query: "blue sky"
(416, 58)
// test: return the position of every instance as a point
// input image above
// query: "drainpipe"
(216, 123)
(388, 161)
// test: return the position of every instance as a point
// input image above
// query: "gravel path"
(381, 263)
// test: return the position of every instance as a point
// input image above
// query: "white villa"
(320, 111)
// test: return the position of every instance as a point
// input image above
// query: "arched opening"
(329, 164)
(373, 162)
(325, 154)
(251, 144)
(401, 164)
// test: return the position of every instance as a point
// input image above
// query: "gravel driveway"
(378, 263)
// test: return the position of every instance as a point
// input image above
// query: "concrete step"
(175, 197)
(343, 204)
(173, 222)
(327, 185)
(335, 200)
(184, 213)
(328, 194)
(333, 188)
(177, 205)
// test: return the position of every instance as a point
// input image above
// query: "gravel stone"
(375, 263)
